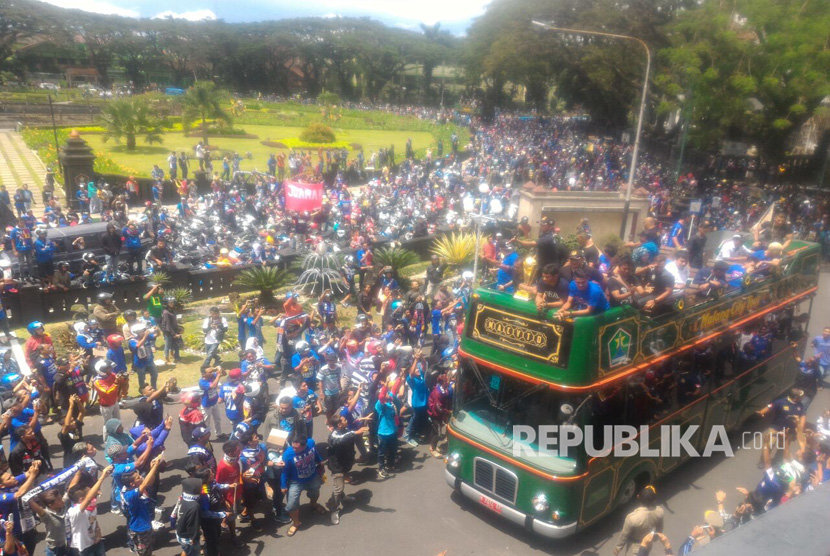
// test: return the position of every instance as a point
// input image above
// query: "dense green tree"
(752, 70)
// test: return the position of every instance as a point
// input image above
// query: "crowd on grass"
(380, 384)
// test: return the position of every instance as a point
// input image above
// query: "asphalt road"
(414, 513)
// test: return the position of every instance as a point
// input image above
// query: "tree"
(129, 118)
(203, 101)
(754, 70)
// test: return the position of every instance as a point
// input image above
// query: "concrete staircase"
(19, 165)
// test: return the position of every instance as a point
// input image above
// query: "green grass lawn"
(142, 159)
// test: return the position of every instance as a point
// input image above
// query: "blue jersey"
(592, 296)
(44, 251)
(677, 231)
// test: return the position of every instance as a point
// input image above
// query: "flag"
(301, 196)
(766, 217)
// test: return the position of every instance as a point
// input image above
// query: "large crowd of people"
(380, 382)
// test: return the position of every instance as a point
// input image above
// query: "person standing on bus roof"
(586, 297)
(677, 236)
(506, 275)
(648, 517)
(548, 247)
(821, 350)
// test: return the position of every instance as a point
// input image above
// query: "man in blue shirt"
(23, 246)
(140, 507)
(586, 297)
(388, 408)
(209, 385)
(302, 471)
(416, 380)
(505, 277)
(677, 236)
(233, 394)
(44, 254)
(821, 350)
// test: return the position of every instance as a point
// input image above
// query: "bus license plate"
(490, 503)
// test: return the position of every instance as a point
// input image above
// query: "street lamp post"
(636, 152)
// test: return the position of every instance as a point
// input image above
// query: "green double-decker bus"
(707, 363)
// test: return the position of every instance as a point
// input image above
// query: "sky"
(454, 15)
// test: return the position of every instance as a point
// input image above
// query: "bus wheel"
(627, 492)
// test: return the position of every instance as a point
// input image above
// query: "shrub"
(160, 277)
(456, 249)
(318, 133)
(182, 296)
(396, 257)
(266, 279)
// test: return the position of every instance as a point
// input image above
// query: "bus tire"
(630, 488)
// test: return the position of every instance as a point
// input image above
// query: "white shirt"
(83, 526)
(212, 336)
(729, 251)
(681, 275)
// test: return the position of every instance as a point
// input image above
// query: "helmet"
(34, 326)
(252, 390)
(148, 204)
(103, 367)
(88, 257)
(138, 327)
(80, 327)
(169, 299)
(191, 398)
(362, 320)
(10, 380)
(373, 347)
(303, 348)
(115, 340)
(467, 275)
(62, 264)
(351, 346)
(104, 296)
(397, 304)
(93, 323)
(40, 232)
(349, 259)
(289, 295)
(129, 313)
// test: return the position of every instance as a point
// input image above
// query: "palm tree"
(266, 279)
(129, 118)
(203, 101)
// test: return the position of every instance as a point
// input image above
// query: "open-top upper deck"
(507, 332)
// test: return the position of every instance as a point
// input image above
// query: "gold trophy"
(528, 269)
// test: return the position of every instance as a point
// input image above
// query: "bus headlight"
(556, 516)
(453, 460)
(540, 503)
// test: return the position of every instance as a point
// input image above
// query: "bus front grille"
(496, 480)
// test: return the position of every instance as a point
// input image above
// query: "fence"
(32, 303)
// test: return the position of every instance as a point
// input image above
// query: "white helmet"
(467, 275)
(80, 327)
(302, 347)
(138, 327)
(103, 366)
(252, 390)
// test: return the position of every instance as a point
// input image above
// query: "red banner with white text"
(301, 196)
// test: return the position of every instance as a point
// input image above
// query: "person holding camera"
(215, 326)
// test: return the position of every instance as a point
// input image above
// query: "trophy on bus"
(529, 269)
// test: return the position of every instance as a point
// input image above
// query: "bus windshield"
(490, 404)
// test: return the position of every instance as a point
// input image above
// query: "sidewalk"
(19, 165)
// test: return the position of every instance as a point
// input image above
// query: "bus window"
(499, 410)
